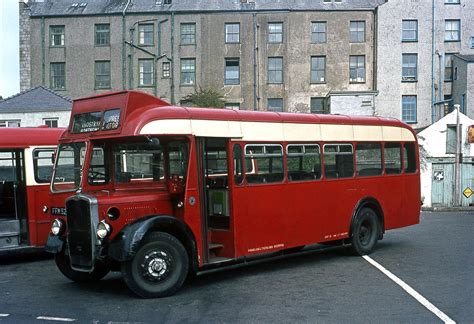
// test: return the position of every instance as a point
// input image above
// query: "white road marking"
(422, 300)
(4, 315)
(61, 319)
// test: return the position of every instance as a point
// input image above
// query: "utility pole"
(457, 162)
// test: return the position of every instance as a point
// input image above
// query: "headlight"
(103, 229)
(57, 226)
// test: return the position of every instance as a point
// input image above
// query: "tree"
(206, 98)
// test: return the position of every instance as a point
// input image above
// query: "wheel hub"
(156, 265)
(364, 235)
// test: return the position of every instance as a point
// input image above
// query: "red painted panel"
(21, 137)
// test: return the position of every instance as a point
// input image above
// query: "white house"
(35, 107)
(437, 150)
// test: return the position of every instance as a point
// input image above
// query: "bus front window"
(138, 163)
(68, 171)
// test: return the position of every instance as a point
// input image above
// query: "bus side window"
(338, 161)
(393, 158)
(268, 159)
(43, 165)
(409, 158)
(237, 158)
(368, 159)
(303, 162)
(178, 159)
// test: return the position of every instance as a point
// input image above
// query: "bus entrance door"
(216, 213)
(13, 223)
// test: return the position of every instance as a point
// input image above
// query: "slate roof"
(105, 7)
(39, 99)
(468, 58)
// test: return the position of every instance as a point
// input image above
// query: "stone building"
(300, 56)
(35, 107)
(463, 83)
(416, 43)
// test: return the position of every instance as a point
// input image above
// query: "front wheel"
(159, 267)
(364, 232)
(64, 265)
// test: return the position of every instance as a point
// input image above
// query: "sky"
(9, 51)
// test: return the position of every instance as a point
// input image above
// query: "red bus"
(159, 192)
(26, 165)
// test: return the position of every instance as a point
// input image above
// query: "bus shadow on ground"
(24, 257)
(320, 256)
(113, 284)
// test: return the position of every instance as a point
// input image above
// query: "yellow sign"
(467, 192)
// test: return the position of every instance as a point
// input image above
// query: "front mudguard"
(126, 244)
(54, 244)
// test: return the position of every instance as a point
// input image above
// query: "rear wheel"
(159, 267)
(64, 265)
(364, 232)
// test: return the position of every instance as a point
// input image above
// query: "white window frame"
(49, 120)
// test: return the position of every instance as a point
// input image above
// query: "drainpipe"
(158, 56)
(374, 67)
(123, 47)
(43, 54)
(457, 162)
(172, 99)
(433, 113)
(440, 76)
(256, 74)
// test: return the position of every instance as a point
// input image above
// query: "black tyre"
(63, 264)
(364, 232)
(159, 268)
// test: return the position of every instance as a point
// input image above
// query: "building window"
(146, 72)
(357, 68)
(357, 32)
(409, 67)
(188, 71)
(451, 1)
(452, 30)
(448, 67)
(51, 122)
(102, 74)
(145, 34)
(319, 105)
(318, 69)
(56, 35)
(275, 104)
(232, 71)
(410, 30)
(188, 34)
(275, 70)
(409, 109)
(472, 41)
(318, 32)
(275, 32)
(10, 123)
(232, 33)
(232, 105)
(165, 70)
(451, 139)
(58, 76)
(102, 34)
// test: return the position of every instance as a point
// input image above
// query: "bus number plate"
(61, 211)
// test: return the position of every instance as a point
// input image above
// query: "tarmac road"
(434, 258)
